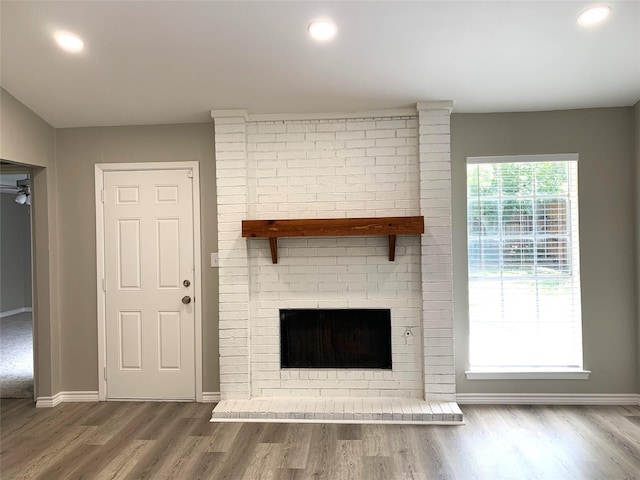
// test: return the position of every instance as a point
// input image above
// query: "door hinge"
(105, 373)
(189, 173)
(102, 196)
(104, 285)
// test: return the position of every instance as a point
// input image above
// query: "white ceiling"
(169, 62)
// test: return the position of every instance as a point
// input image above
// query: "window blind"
(524, 262)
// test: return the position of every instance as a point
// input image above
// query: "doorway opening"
(16, 312)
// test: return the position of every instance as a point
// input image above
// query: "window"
(523, 260)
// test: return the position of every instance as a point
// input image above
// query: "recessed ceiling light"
(594, 15)
(69, 42)
(323, 30)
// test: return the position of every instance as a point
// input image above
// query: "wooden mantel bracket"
(332, 227)
(273, 246)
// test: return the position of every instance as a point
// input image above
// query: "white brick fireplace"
(374, 164)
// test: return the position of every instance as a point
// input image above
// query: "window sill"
(527, 374)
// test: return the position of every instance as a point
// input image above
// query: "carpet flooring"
(16, 356)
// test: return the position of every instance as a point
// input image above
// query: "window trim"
(554, 157)
(533, 373)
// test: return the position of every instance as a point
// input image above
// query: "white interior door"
(149, 278)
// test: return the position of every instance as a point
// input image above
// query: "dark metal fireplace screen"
(335, 338)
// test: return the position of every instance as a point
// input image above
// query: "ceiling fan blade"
(9, 189)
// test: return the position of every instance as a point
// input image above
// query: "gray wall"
(26, 139)
(604, 139)
(636, 110)
(77, 151)
(15, 254)
(65, 317)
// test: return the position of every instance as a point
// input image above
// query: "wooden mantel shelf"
(332, 227)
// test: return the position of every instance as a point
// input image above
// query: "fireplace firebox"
(335, 338)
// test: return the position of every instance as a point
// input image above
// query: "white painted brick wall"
(387, 166)
(231, 187)
(333, 168)
(437, 272)
(329, 169)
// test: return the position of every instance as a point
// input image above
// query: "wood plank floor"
(126, 440)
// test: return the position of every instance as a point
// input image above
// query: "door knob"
(186, 299)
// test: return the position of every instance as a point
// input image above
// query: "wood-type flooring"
(128, 440)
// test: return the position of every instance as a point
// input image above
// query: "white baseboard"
(15, 311)
(461, 398)
(547, 399)
(66, 397)
(91, 396)
(210, 397)
(48, 402)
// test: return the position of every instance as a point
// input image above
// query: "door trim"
(100, 169)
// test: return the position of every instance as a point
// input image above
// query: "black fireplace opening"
(335, 338)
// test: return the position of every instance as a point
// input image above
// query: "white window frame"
(526, 373)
